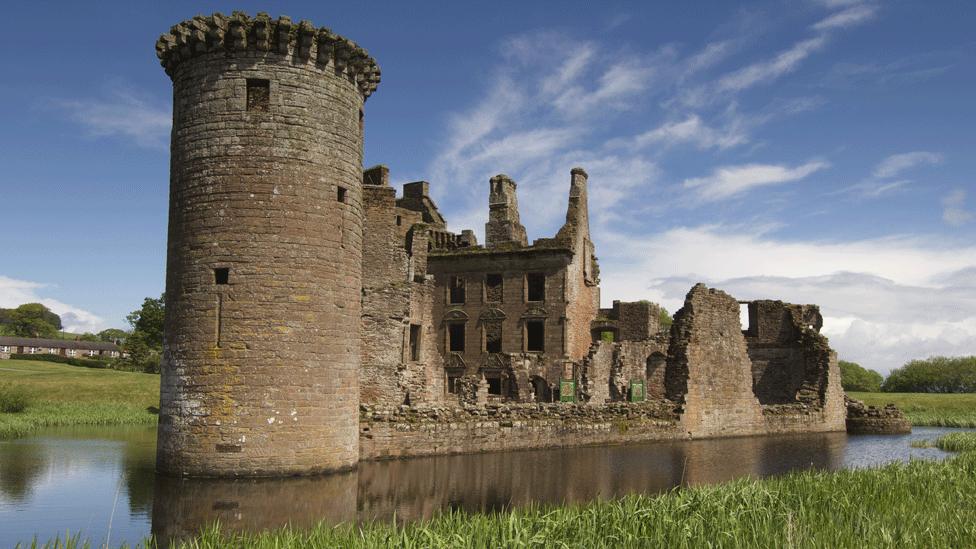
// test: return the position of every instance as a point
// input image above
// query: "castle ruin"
(315, 317)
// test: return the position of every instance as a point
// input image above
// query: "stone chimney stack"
(503, 225)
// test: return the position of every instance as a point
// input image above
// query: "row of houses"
(62, 347)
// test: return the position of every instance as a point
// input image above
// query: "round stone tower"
(263, 276)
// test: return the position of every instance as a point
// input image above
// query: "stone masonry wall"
(260, 376)
(709, 368)
(407, 432)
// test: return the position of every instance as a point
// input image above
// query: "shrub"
(937, 374)
(13, 399)
(84, 362)
(853, 377)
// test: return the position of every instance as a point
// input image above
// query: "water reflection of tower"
(181, 507)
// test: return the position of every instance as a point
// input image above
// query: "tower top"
(238, 32)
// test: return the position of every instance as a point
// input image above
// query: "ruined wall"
(397, 294)
(260, 369)
(397, 433)
(637, 321)
(503, 227)
(709, 370)
(582, 275)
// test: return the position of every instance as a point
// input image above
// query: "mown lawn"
(62, 395)
(929, 409)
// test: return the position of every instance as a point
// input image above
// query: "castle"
(315, 318)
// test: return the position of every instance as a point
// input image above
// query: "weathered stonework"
(260, 375)
(871, 420)
(300, 285)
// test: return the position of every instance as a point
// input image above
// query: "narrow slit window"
(535, 336)
(455, 337)
(457, 290)
(399, 220)
(414, 342)
(258, 95)
(536, 283)
(222, 275)
(341, 194)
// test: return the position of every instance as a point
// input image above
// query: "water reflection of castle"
(417, 488)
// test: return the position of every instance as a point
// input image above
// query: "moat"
(101, 481)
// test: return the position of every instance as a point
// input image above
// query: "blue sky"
(817, 152)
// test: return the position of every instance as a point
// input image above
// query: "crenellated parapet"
(238, 32)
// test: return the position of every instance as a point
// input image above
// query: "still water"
(100, 481)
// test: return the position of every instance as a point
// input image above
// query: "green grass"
(929, 409)
(63, 395)
(957, 442)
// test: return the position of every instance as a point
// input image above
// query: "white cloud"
(884, 300)
(898, 163)
(954, 210)
(854, 15)
(15, 292)
(124, 113)
(692, 130)
(732, 180)
(768, 70)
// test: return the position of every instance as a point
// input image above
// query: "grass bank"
(929, 409)
(62, 395)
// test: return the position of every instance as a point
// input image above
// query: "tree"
(664, 319)
(113, 335)
(144, 345)
(88, 336)
(33, 320)
(854, 377)
(936, 374)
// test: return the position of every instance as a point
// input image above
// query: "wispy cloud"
(728, 181)
(954, 210)
(771, 69)
(14, 292)
(895, 164)
(854, 15)
(123, 113)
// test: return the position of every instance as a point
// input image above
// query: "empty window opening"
(536, 283)
(541, 389)
(493, 288)
(535, 335)
(222, 275)
(493, 336)
(452, 384)
(457, 289)
(398, 221)
(455, 336)
(341, 194)
(258, 95)
(494, 385)
(745, 319)
(362, 120)
(414, 342)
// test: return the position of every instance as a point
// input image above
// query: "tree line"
(938, 374)
(142, 343)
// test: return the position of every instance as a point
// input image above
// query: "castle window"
(494, 385)
(221, 275)
(455, 337)
(493, 336)
(452, 385)
(414, 342)
(535, 287)
(398, 221)
(493, 288)
(456, 290)
(535, 336)
(341, 194)
(258, 95)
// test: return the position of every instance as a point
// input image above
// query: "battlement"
(238, 32)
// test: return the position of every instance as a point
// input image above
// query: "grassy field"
(933, 409)
(69, 395)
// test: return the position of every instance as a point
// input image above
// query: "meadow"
(63, 395)
(929, 409)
